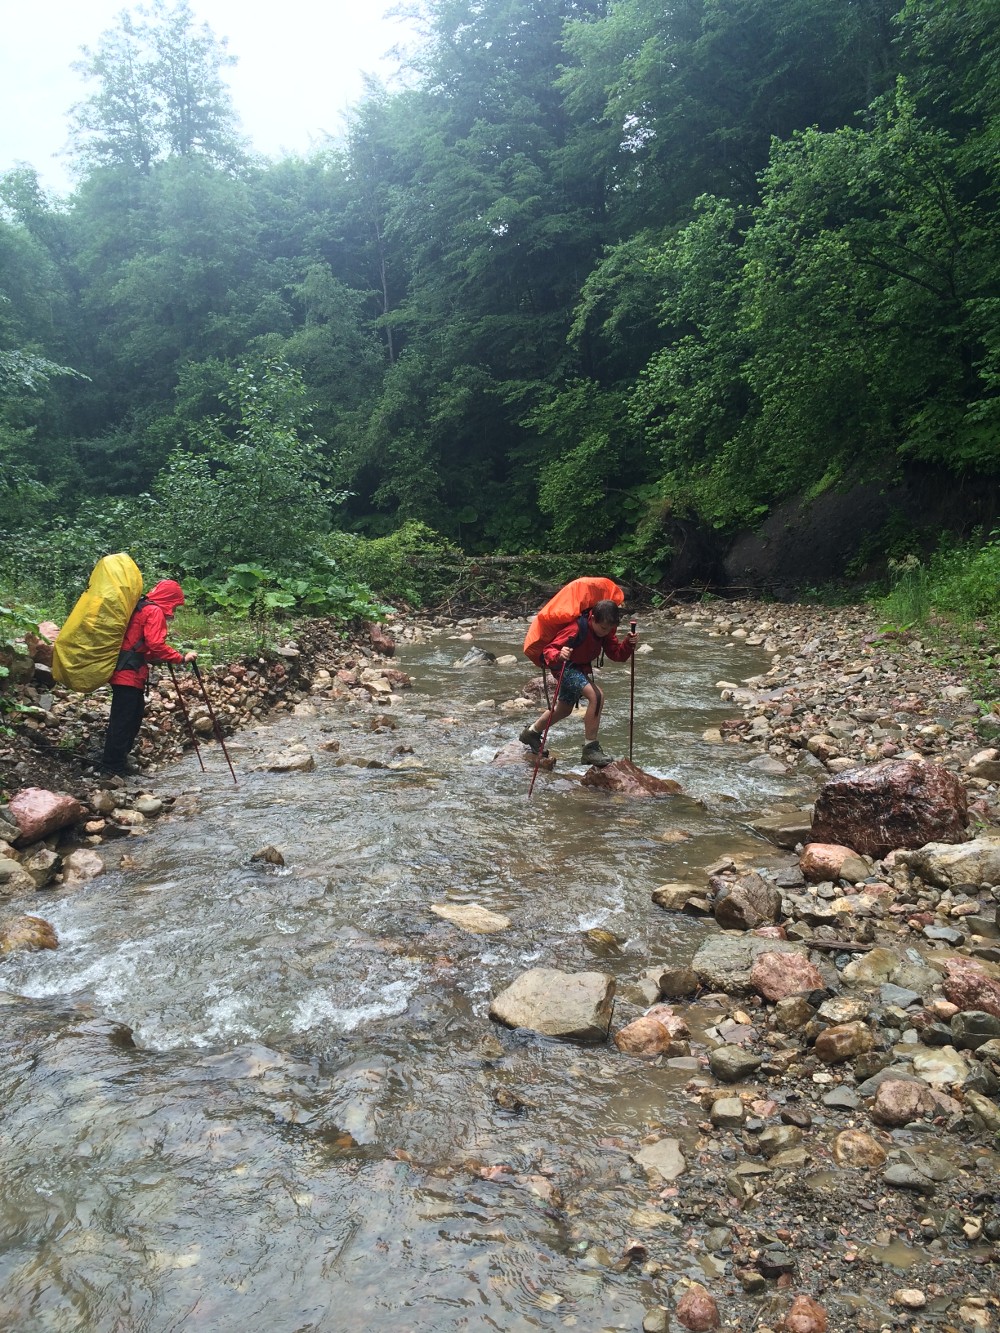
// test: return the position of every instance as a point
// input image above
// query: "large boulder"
(627, 779)
(947, 864)
(38, 813)
(516, 753)
(898, 803)
(747, 903)
(573, 1006)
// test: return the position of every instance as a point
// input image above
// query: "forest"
(595, 268)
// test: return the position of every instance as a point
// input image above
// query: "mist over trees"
(599, 263)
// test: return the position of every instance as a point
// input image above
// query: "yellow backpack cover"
(86, 652)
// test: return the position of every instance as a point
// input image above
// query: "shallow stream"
(311, 1127)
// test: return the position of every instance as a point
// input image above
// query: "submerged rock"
(627, 779)
(471, 917)
(516, 753)
(897, 803)
(573, 1006)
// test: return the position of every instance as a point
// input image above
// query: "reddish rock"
(771, 932)
(654, 1034)
(898, 1101)
(843, 1041)
(805, 1316)
(777, 975)
(381, 640)
(625, 778)
(822, 861)
(39, 650)
(897, 803)
(968, 986)
(748, 902)
(38, 812)
(697, 1310)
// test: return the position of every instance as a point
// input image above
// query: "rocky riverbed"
(838, 1026)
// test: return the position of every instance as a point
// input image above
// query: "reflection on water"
(307, 1129)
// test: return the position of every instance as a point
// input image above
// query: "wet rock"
(893, 804)
(842, 1099)
(295, 759)
(656, 1320)
(805, 1316)
(732, 1064)
(787, 829)
(476, 657)
(472, 918)
(985, 764)
(38, 812)
(749, 902)
(910, 1298)
(777, 1139)
(677, 983)
(573, 1006)
(676, 897)
(27, 934)
(967, 984)
(792, 1013)
(42, 865)
(269, 855)
(779, 975)
(727, 1112)
(148, 806)
(82, 865)
(664, 1157)
(903, 1177)
(697, 1310)
(844, 1009)
(872, 968)
(853, 1147)
(844, 1041)
(627, 779)
(829, 861)
(381, 640)
(516, 753)
(8, 868)
(898, 1102)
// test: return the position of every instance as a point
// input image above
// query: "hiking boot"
(593, 754)
(532, 739)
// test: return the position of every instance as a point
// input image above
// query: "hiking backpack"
(85, 654)
(570, 602)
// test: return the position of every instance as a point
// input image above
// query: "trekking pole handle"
(631, 626)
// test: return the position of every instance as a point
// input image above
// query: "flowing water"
(314, 1124)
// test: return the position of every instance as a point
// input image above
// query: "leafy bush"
(254, 593)
(414, 564)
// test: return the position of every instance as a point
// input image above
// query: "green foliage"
(16, 620)
(414, 564)
(254, 593)
(257, 496)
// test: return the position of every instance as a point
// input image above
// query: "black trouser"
(128, 702)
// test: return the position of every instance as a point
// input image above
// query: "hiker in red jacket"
(145, 641)
(578, 645)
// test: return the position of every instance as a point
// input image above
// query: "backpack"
(569, 603)
(85, 654)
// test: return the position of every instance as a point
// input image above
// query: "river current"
(314, 1125)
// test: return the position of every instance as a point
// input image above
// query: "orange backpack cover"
(568, 603)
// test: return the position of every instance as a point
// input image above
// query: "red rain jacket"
(588, 650)
(147, 632)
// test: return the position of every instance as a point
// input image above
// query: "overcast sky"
(300, 65)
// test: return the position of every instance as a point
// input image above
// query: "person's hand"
(190, 657)
(632, 638)
(566, 653)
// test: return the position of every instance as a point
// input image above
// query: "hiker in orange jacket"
(572, 652)
(145, 641)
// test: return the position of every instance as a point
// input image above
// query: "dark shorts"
(573, 685)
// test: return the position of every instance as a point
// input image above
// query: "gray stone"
(973, 1028)
(891, 994)
(664, 1157)
(842, 1099)
(948, 864)
(723, 962)
(731, 1064)
(573, 1006)
(903, 1177)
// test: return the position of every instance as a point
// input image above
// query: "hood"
(167, 595)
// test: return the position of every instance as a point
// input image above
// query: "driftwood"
(838, 946)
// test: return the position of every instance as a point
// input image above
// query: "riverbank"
(783, 1171)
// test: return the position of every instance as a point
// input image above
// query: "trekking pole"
(631, 697)
(187, 716)
(215, 720)
(545, 733)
